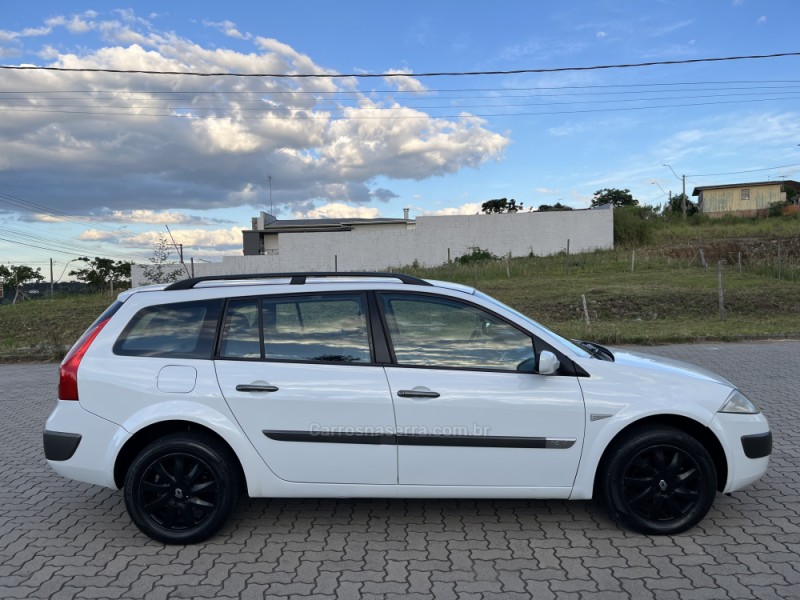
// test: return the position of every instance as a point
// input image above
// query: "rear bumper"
(82, 446)
(59, 445)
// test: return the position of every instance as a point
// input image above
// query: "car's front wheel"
(659, 480)
(181, 488)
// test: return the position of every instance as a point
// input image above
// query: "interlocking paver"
(63, 539)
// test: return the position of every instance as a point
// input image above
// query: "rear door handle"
(256, 387)
(418, 392)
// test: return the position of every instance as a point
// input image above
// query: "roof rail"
(296, 278)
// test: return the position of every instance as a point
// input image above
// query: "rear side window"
(179, 330)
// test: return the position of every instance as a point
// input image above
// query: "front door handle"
(418, 392)
(256, 386)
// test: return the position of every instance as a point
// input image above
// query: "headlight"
(737, 402)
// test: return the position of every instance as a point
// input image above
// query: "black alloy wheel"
(182, 488)
(660, 481)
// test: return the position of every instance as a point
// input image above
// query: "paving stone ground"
(61, 539)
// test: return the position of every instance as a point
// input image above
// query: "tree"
(103, 273)
(556, 206)
(161, 269)
(501, 205)
(675, 206)
(15, 277)
(614, 197)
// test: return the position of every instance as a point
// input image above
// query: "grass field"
(651, 294)
(660, 301)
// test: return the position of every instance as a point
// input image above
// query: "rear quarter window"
(179, 330)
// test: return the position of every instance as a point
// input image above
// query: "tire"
(181, 488)
(659, 481)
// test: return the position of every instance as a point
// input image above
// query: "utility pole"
(271, 209)
(683, 180)
(51, 279)
(683, 198)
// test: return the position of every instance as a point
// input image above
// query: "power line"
(243, 107)
(747, 171)
(399, 75)
(303, 114)
(35, 207)
(754, 84)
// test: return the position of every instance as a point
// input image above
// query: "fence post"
(508, 266)
(585, 310)
(633, 259)
(720, 292)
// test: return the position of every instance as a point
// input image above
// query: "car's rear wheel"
(659, 481)
(181, 488)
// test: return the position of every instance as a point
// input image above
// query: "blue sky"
(96, 164)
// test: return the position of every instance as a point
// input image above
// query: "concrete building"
(275, 246)
(742, 199)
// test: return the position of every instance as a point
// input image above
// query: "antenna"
(271, 210)
(178, 250)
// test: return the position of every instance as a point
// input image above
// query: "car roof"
(364, 280)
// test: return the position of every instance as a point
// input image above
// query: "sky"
(99, 164)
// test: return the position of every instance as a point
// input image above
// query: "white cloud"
(192, 239)
(470, 208)
(405, 83)
(546, 191)
(150, 142)
(78, 25)
(229, 29)
(9, 52)
(35, 31)
(601, 35)
(338, 210)
(169, 217)
(761, 20)
(225, 136)
(96, 235)
(671, 28)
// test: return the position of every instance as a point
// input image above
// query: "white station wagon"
(382, 385)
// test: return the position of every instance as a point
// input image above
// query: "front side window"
(438, 332)
(745, 195)
(322, 328)
(179, 330)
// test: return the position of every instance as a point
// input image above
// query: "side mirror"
(548, 363)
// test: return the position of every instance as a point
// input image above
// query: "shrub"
(474, 255)
(633, 225)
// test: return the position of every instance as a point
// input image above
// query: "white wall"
(427, 241)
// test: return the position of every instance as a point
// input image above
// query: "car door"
(298, 374)
(470, 409)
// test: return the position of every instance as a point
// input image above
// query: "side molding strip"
(471, 441)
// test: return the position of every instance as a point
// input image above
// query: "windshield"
(536, 327)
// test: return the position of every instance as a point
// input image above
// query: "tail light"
(68, 373)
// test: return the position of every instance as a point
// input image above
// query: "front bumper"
(747, 442)
(757, 445)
